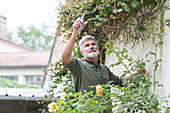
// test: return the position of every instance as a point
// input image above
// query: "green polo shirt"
(86, 74)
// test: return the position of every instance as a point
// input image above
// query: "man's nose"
(91, 46)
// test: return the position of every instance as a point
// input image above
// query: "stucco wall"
(165, 78)
(140, 51)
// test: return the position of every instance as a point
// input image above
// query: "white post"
(21, 79)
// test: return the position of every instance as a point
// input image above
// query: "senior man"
(87, 71)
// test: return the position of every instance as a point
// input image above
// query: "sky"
(27, 12)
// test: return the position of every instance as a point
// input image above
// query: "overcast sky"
(27, 12)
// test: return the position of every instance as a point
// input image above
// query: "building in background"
(19, 63)
(25, 66)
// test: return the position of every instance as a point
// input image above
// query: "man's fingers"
(79, 24)
(84, 24)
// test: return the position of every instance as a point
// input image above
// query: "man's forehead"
(89, 41)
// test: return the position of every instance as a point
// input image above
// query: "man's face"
(90, 49)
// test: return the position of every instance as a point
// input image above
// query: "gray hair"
(87, 37)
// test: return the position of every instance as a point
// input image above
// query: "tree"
(32, 37)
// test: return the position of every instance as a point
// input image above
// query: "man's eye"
(87, 45)
(93, 44)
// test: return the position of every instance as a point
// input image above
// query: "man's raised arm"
(66, 55)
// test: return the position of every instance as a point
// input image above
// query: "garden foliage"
(107, 21)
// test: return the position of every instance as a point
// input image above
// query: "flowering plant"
(134, 97)
(99, 90)
(52, 107)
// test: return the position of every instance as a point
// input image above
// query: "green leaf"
(120, 10)
(101, 8)
(141, 1)
(109, 9)
(124, 4)
(101, 19)
(134, 5)
(167, 22)
(115, 11)
(159, 44)
(148, 37)
(105, 13)
(153, 4)
(141, 28)
(99, 24)
(97, 16)
(127, 9)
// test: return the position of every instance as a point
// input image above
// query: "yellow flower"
(99, 90)
(52, 107)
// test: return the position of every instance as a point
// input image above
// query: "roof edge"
(16, 44)
(30, 66)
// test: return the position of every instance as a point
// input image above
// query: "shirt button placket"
(100, 77)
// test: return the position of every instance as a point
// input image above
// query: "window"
(37, 79)
(15, 78)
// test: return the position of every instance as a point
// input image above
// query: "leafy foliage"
(60, 75)
(107, 19)
(6, 83)
(32, 37)
(137, 96)
(110, 19)
(134, 97)
(167, 22)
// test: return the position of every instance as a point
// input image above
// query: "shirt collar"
(91, 61)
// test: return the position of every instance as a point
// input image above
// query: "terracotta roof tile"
(24, 59)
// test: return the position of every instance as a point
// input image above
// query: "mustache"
(92, 50)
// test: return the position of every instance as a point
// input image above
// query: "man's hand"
(77, 24)
(141, 70)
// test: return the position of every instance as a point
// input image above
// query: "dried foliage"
(128, 21)
(110, 18)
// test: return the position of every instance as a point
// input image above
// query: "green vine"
(110, 19)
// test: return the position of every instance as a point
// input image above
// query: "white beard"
(92, 54)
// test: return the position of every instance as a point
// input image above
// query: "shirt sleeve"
(115, 79)
(74, 67)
